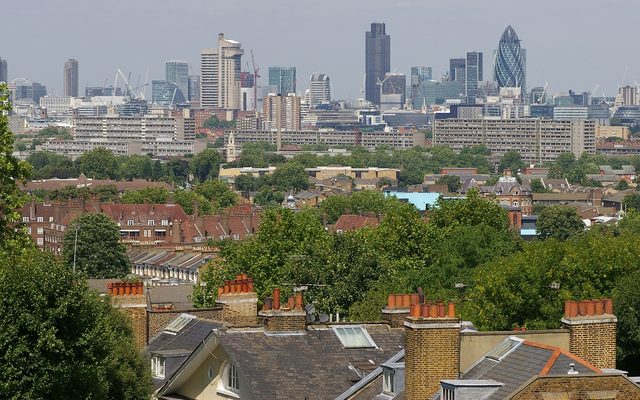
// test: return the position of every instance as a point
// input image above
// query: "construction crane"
(544, 91)
(256, 75)
(130, 91)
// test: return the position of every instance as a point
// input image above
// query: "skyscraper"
(510, 65)
(473, 75)
(282, 80)
(71, 78)
(281, 112)
(166, 93)
(377, 60)
(319, 90)
(393, 91)
(178, 73)
(4, 71)
(220, 75)
(456, 69)
(419, 75)
(194, 88)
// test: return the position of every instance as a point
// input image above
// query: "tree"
(12, 172)
(631, 202)
(206, 165)
(97, 252)
(627, 309)
(268, 197)
(537, 186)
(98, 163)
(452, 181)
(61, 340)
(246, 183)
(214, 123)
(218, 193)
(559, 222)
(135, 166)
(474, 210)
(622, 185)
(511, 160)
(290, 176)
(147, 195)
(188, 198)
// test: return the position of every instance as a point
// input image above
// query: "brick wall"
(615, 387)
(395, 317)
(432, 353)
(284, 321)
(138, 319)
(593, 339)
(157, 319)
(239, 309)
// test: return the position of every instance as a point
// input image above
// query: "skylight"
(177, 324)
(504, 348)
(353, 336)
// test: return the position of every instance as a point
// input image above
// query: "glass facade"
(473, 75)
(510, 61)
(283, 79)
(178, 73)
(377, 60)
(166, 93)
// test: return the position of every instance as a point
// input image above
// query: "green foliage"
(60, 340)
(97, 251)
(632, 202)
(290, 176)
(453, 182)
(622, 185)
(55, 132)
(538, 187)
(268, 197)
(51, 165)
(206, 165)
(357, 203)
(626, 301)
(188, 198)
(12, 172)
(147, 195)
(559, 222)
(135, 166)
(246, 183)
(102, 192)
(218, 193)
(511, 160)
(475, 210)
(98, 163)
(214, 123)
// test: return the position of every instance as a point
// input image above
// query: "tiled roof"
(82, 181)
(525, 360)
(314, 365)
(351, 222)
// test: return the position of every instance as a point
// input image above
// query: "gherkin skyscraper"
(510, 65)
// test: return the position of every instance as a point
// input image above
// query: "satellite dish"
(311, 313)
(323, 318)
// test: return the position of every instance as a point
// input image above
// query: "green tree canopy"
(559, 222)
(452, 181)
(60, 340)
(206, 165)
(511, 160)
(290, 176)
(98, 252)
(474, 210)
(218, 193)
(147, 195)
(98, 163)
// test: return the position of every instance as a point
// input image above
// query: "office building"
(247, 79)
(319, 90)
(4, 71)
(393, 91)
(418, 76)
(536, 140)
(457, 69)
(377, 60)
(71, 78)
(97, 91)
(166, 93)
(194, 88)
(282, 80)
(473, 75)
(538, 95)
(597, 113)
(281, 112)
(220, 75)
(627, 95)
(178, 73)
(246, 99)
(510, 67)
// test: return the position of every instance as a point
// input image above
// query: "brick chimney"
(130, 298)
(397, 309)
(432, 348)
(285, 318)
(592, 331)
(239, 302)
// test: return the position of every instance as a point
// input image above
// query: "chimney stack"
(289, 318)
(592, 331)
(239, 302)
(397, 309)
(432, 348)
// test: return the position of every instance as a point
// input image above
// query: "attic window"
(353, 337)
(503, 348)
(151, 222)
(130, 222)
(177, 324)
(164, 222)
(157, 367)
(387, 381)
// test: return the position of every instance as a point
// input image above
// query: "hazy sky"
(570, 43)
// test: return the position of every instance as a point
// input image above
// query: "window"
(151, 222)
(40, 230)
(177, 324)
(232, 382)
(164, 222)
(130, 222)
(353, 336)
(25, 219)
(29, 229)
(50, 219)
(448, 394)
(387, 381)
(40, 241)
(157, 367)
(40, 219)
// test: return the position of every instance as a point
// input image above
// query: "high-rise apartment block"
(220, 75)
(536, 140)
(71, 78)
(319, 90)
(627, 95)
(178, 73)
(4, 71)
(281, 112)
(510, 68)
(282, 80)
(377, 60)
(473, 74)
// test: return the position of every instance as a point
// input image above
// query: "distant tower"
(319, 90)
(71, 78)
(473, 75)
(231, 148)
(178, 73)
(282, 80)
(4, 71)
(377, 60)
(220, 75)
(510, 65)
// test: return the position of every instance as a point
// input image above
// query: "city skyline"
(554, 52)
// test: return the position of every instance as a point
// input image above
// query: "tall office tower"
(194, 88)
(220, 75)
(246, 79)
(418, 76)
(457, 69)
(282, 80)
(71, 78)
(4, 71)
(393, 91)
(473, 75)
(281, 112)
(38, 91)
(319, 90)
(377, 60)
(166, 93)
(178, 73)
(510, 68)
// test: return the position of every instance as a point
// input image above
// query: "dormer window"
(392, 378)
(387, 381)
(232, 381)
(164, 222)
(130, 222)
(448, 394)
(151, 222)
(157, 366)
(229, 384)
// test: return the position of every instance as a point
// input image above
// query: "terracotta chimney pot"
(291, 302)
(239, 277)
(299, 302)
(608, 306)
(591, 308)
(110, 288)
(415, 311)
(250, 284)
(276, 298)
(442, 310)
(599, 307)
(433, 310)
(391, 301)
(220, 291)
(238, 286)
(398, 301)
(226, 287)
(244, 288)
(451, 310)
(268, 304)
(120, 289)
(406, 300)
(582, 307)
(414, 299)
(567, 308)
(425, 311)
(573, 308)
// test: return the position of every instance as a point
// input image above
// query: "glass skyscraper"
(178, 73)
(510, 61)
(282, 80)
(377, 60)
(166, 93)
(473, 74)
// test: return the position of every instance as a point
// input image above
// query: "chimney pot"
(238, 286)
(299, 304)
(276, 298)
(415, 311)
(433, 310)
(391, 301)
(398, 301)
(442, 311)
(582, 308)
(608, 306)
(451, 310)
(110, 288)
(227, 289)
(599, 307)
(591, 308)
(567, 308)
(268, 304)
(291, 302)
(220, 291)
(244, 286)
(425, 311)
(406, 300)
(414, 299)
(250, 284)
(239, 277)
(573, 308)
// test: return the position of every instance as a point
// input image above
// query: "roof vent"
(572, 369)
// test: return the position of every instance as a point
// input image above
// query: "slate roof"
(162, 257)
(176, 348)
(525, 360)
(178, 295)
(313, 365)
